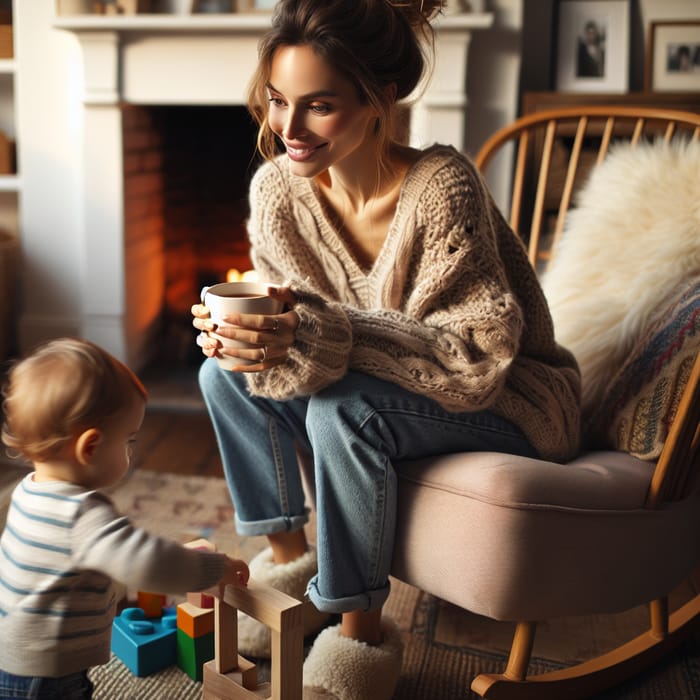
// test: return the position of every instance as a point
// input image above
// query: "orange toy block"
(194, 621)
(151, 603)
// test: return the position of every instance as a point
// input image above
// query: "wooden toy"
(229, 676)
(151, 603)
(195, 639)
(195, 621)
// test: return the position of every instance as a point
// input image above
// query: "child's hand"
(236, 573)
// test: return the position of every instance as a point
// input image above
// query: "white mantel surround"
(194, 60)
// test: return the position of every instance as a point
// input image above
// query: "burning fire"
(234, 275)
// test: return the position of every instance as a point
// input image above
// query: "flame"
(234, 275)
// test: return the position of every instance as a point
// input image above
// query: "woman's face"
(316, 113)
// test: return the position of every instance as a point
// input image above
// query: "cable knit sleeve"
(280, 253)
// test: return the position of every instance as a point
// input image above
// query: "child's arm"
(108, 542)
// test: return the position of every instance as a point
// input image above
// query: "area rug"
(445, 647)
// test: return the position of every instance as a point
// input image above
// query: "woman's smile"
(300, 154)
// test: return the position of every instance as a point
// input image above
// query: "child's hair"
(373, 43)
(64, 386)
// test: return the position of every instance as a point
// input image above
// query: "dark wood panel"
(539, 101)
(183, 443)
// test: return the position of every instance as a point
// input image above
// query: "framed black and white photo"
(593, 46)
(673, 57)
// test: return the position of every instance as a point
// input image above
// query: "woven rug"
(445, 647)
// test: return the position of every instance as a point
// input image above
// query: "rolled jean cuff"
(272, 525)
(369, 600)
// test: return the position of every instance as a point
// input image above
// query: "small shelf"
(167, 23)
(235, 21)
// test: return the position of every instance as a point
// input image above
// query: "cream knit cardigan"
(451, 308)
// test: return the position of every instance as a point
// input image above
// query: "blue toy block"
(145, 646)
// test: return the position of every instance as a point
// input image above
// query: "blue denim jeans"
(357, 430)
(76, 686)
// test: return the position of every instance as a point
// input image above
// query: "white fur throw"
(632, 238)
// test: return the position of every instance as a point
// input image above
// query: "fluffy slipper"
(292, 578)
(340, 668)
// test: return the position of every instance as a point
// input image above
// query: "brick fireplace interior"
(186, 175)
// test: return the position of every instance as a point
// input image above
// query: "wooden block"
(201, 600)
(266, 604)
(235, 685)
(194, 621)
(151, 603)
(193, 653)
(226, 639)
(287, 671)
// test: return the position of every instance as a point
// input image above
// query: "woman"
(414, 326)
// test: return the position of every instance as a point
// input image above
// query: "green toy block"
(194, 652)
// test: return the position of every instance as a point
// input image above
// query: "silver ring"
(275, 325)
(264, 355)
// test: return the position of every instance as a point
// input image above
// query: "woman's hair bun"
(418, 12)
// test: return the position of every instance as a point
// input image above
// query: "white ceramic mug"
(241, 297)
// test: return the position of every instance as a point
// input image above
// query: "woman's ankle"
(287, 546)
(363, 626)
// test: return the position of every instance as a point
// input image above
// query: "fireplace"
(187, 171)
(151, 214)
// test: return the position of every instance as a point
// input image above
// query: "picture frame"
(673, 57)
(593, 46)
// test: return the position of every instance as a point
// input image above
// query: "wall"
(49, 156)
(518, 56)
(539, 37)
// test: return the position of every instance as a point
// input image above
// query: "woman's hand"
(268, 337)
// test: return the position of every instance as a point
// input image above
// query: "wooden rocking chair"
(532, 540)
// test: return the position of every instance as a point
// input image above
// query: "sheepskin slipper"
(340, 668)
(254, 638)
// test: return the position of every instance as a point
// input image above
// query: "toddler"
(73, 410)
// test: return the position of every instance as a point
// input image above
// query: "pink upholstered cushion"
(515, 538)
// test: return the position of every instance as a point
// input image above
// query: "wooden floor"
(177, 442)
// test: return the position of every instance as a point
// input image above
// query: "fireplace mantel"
(193, 60)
